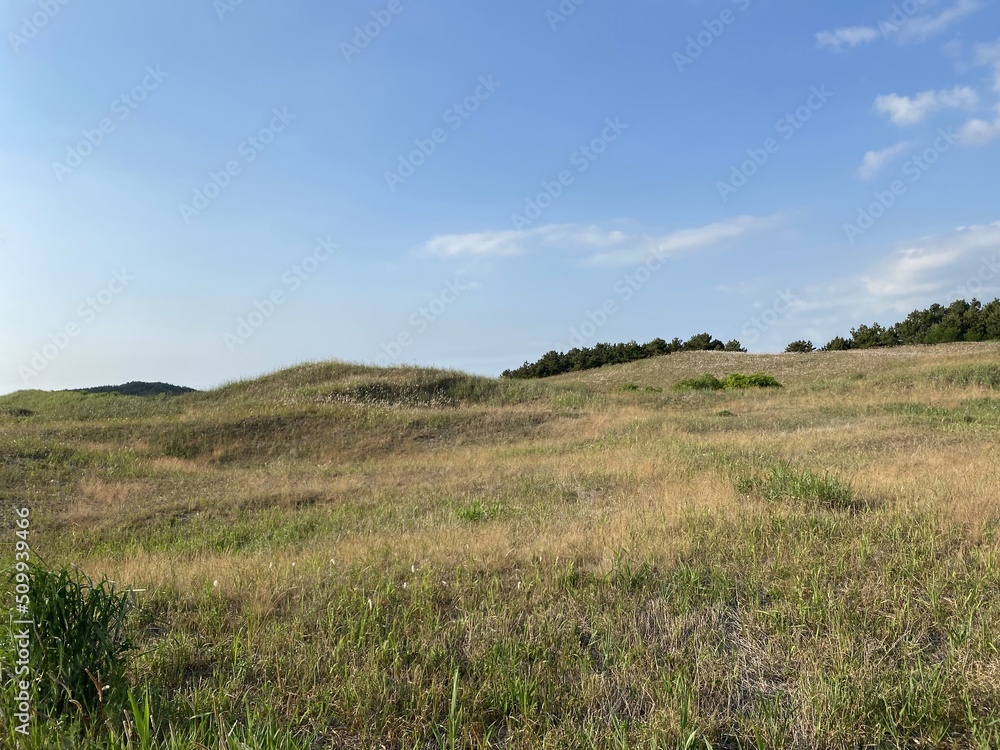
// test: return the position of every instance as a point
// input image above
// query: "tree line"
(138, 388)
(587, 358)
(938, 324)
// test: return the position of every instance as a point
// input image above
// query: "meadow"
(340, 556)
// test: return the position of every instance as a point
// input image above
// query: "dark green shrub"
(800, 347)
(838, 344)
(735, 381)
(627, 387)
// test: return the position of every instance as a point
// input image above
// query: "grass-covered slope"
(340, 556)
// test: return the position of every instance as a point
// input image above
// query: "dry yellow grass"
(657, 549)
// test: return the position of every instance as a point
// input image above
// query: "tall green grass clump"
(781, 482)
(79, 646)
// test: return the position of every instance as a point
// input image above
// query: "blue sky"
(198, 191)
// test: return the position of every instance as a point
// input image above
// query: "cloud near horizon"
(605, 246)
(938, 269)
(918, 268)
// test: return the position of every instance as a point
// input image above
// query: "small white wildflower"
(215, 584)
(404, 584)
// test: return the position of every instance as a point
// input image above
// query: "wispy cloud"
(873, 162)
(849, 36)
(921, 28)
(638, 247)
(923, 267)
(903, 26)
(915, 274)
(989, 54)
(510, 242)
(906, 110)
(600, 246)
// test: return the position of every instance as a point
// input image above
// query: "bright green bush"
(733, 381)
(703, 383)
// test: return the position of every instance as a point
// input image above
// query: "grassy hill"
(341, 556)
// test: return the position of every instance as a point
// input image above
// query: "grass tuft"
(781, 482)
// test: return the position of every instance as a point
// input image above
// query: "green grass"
(766, 606)
(984, 376)
(78, 648)
(337, 556)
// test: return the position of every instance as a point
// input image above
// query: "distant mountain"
(138, 388)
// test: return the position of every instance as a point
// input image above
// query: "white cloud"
(850, 36)
(875, 160)
(932, 264)
(483, 243)
(905, 110)
(606, 247)
(979, 132)
(920, 28)
(962, 263)
(638, 247)
(903, 25)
